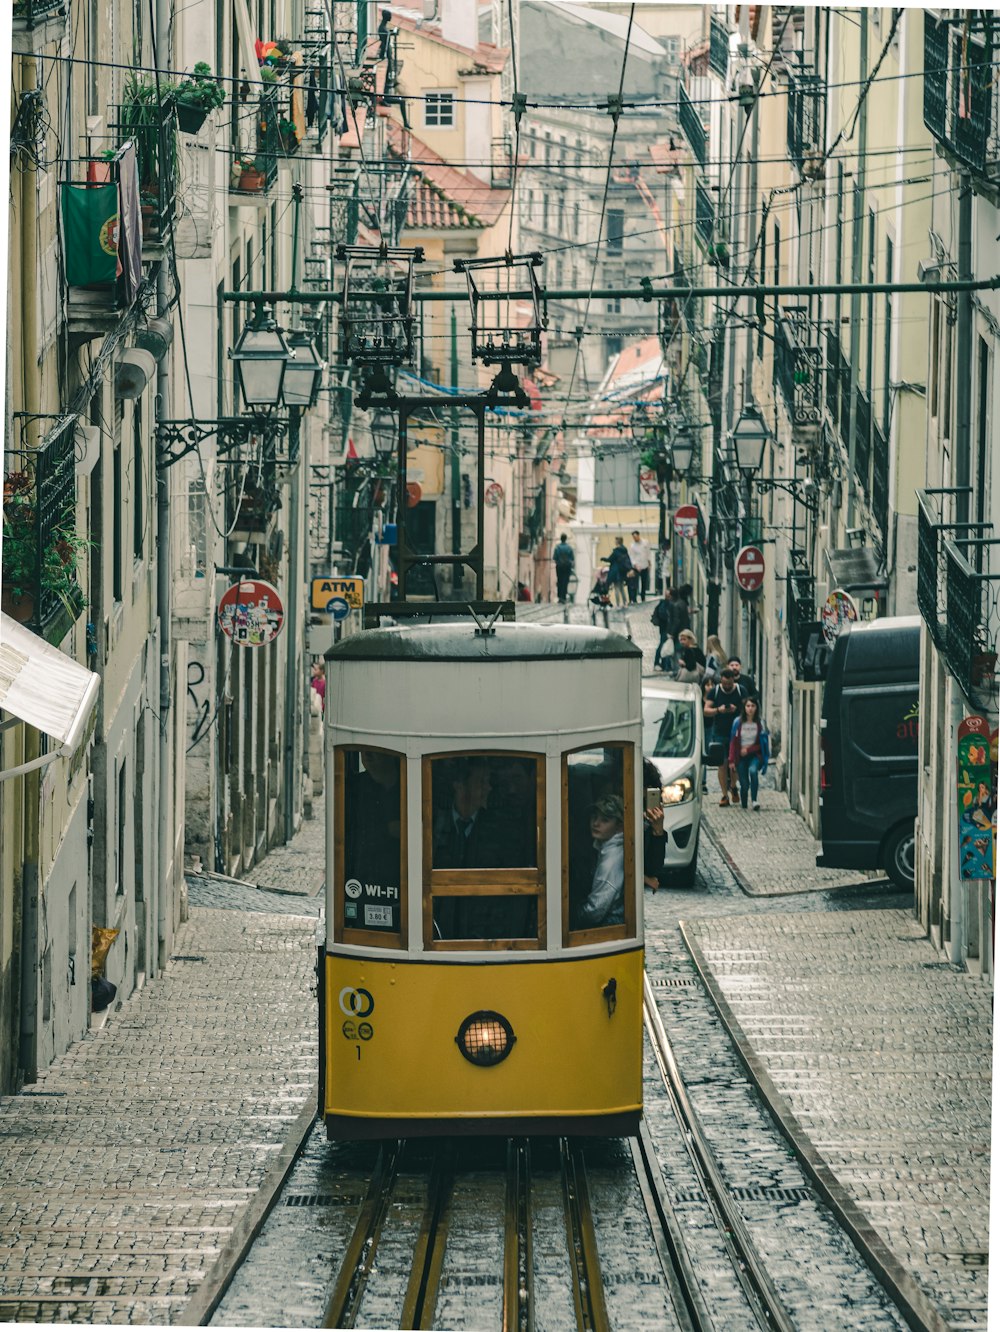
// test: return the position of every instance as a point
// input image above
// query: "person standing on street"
(564, 560)
(749, 751)
(721, 709)
(619, 565)
(661, 617)
(641, 557)
(681, 610)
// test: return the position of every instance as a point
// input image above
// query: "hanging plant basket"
(190, 118)
(251, 181)
(20, 606)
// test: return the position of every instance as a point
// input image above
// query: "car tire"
(898, 854)
(685, 876)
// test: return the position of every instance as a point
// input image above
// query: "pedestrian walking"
(749, 751)
(642, 559)
(688, 643)
(564, 559)
(662, 618)
(745, 682)
(619, 565)
(715, 659)
(317, 683)
(690, 671)
(722, 706)
(681, 606)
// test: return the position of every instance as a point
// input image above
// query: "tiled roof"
(485, 56)
(451, 197)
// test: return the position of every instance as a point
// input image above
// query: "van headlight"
(679, 791)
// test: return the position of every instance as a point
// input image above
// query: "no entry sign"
(750, 569)
(251, 613)
(686, 521)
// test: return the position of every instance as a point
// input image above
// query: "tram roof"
(459, 641)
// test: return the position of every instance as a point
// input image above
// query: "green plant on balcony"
(20, 546)
(196, 97)
(249, 174)
(61, 562)
(289, 136)
(145, 118)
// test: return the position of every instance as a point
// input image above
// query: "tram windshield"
(486, 816)
(668, 727)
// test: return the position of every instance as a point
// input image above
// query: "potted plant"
(196, 97)
(143, 119)
(20, 547)
(252, 176)
(60, 562)
(289, 136)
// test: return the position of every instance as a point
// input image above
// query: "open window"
(370, 847)
(598, 888)
(484, 851)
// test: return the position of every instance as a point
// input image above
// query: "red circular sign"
(493, 494)
(686, 520)
(413, 494)
(251, 613)
(750, 569)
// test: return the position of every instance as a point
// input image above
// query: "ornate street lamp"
(303, 373)
(750, 437)
(682, 450)
(261, 355)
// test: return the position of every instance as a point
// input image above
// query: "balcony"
(30, 15)
(253, 177)
(704, 213)
(797, 367)
(806, 122)
(718, 48)
(800, 610)
(960, 99)
(880, 483)
(42, 552)
(836, 376)
(691, 125)
(863, 443)
(151, 123)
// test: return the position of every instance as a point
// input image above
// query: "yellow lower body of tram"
(571, 1029)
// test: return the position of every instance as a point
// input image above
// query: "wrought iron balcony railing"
(836, 376)
(972, 625)
(880, 483)
(28, 13)
(691, 125)
(718, 48)
(961, 103)
(806, 120)
(42, 553)
(152, 125)
(798, 367)
(704, 213)
(800, 610)
(863, 443)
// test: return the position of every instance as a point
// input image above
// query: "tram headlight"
(679, 791)
(485, 1038)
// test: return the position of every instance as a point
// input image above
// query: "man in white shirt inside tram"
(605, 904)
(641, 557)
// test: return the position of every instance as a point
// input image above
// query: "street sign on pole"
(749, 569)
(493, 494)
(838, 609)
(350, 589)
(251, 613)
(686, 521)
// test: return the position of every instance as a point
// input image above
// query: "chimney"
(460, 21)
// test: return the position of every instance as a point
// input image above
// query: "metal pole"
(963, 356)
(857, 255)
(457, 571)
(294, 685)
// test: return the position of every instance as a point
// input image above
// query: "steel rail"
(679, 1271)
(359, 1257)
(762, 1295)
(588, 1288)
(420, 1301)
(518, 1265)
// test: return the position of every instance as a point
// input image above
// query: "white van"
(673, 740)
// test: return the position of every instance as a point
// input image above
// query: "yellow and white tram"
(482, 967)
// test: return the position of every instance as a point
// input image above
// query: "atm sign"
(326, 590)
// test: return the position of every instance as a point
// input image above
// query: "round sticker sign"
(251, 614)
(749, 569)
(838, 609)
(686, 521)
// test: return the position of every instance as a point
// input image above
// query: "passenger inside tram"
(595, 816)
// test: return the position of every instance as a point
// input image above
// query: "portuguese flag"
(90, 231)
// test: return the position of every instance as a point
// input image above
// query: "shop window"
(484, 850)
(370, 847)
(598, 844)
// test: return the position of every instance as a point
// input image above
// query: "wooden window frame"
(602, 933)
(528, 881)
(343, 933)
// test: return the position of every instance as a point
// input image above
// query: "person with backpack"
(662, 617)
(619, 567)
(565, 561)
(749, 750)
(722, 706)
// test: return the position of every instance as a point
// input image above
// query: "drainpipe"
(29, 787)
(294, 681)
(963, 355)
(165, 811)
(857, 256)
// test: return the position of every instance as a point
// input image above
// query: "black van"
(869, 741)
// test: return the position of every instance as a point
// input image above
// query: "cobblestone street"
(127, 1166)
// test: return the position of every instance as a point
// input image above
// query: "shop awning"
(45, 688)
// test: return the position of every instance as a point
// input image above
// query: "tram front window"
(600, 858)
(486, 846)
(370, 867)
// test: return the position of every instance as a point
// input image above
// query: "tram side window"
(599, 857)
(371, 851)
(485, 816)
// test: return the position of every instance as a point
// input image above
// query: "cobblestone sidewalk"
(877, 1055)
(127, 1166)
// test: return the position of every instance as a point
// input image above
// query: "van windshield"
(668, 727)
